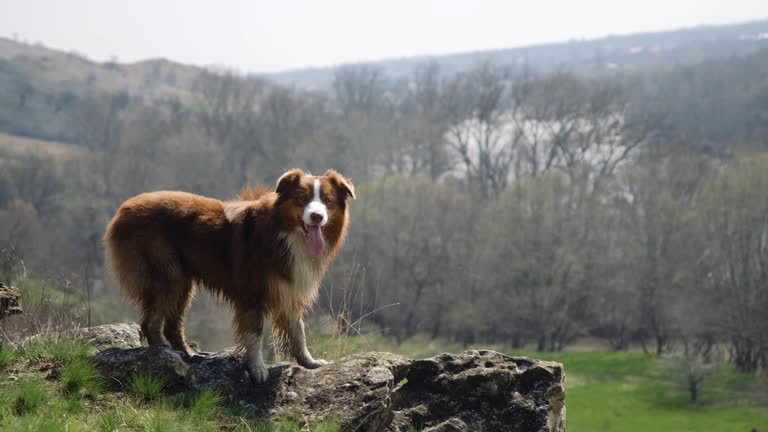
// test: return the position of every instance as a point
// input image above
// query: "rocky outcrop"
(471, 391)
(10, 301)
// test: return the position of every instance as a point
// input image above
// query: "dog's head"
(316, 205)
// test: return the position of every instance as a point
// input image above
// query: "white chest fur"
(306, 273)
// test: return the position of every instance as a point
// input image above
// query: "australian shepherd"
(265, 253)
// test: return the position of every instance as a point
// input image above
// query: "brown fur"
(161, 245)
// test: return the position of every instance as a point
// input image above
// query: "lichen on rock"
(10, 301)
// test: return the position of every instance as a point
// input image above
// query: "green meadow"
(48, 385)
(636, 392)
(617, 391)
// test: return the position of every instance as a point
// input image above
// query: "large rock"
(124, 335)
(471, 391)
(10, 301)
(481, 391)
(122, 364)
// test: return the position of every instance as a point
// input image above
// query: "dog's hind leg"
(152, 324)
(133, 271)
(173, 329)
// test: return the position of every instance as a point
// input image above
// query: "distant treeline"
(495, 205)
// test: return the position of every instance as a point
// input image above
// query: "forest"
(497, 204)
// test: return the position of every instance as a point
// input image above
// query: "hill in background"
(626, 52)
(40, 87)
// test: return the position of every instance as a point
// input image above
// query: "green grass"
(634, 392)
(67, 396)
(29, 396)
(109, 421)
(160, 420)
(147, 386)
(59, 349)
(606, 391)
(80, 375)
(601, 364)
(41, 423)
(620, 404)
(8, 356)
(201, 405)
(612, 391)
(327, 425)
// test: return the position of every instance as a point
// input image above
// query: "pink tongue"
(316, 243)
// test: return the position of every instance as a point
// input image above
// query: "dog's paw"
(259, 374)
(313, 364)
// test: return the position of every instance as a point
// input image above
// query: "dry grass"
(13, 145)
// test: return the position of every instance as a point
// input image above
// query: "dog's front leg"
(250, 329)
(293, 329)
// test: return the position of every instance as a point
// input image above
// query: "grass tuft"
(78, 375)
(147, 386)
(73, 406)
(161, 420)
(285, 424)
(30, 395)
(253, 425)
(64, 350)
(109, 422)
(41, 423)
(8, 356)
(204, 404)
(326, 425)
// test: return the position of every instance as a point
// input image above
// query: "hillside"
(156, 78)
(625, 52)
(39, 87)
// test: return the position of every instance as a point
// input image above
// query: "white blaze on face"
(315, 216)
(316, 206)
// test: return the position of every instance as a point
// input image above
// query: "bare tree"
(736, 221)
(358, 89)
(415, 263)
(227, 108)
(477, 107)
(424, 121)
(533, 260)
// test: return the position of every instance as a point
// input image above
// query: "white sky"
(259, 36)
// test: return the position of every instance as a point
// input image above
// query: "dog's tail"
(250, 193)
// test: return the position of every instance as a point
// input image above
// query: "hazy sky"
(266, 36)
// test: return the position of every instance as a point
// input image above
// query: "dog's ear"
(344, 185)
(288, 181)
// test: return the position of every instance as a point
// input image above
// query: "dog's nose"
(316, 217)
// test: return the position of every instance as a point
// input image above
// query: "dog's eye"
(299, 198)
(329, 201)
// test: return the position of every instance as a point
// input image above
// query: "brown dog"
(265, 253)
